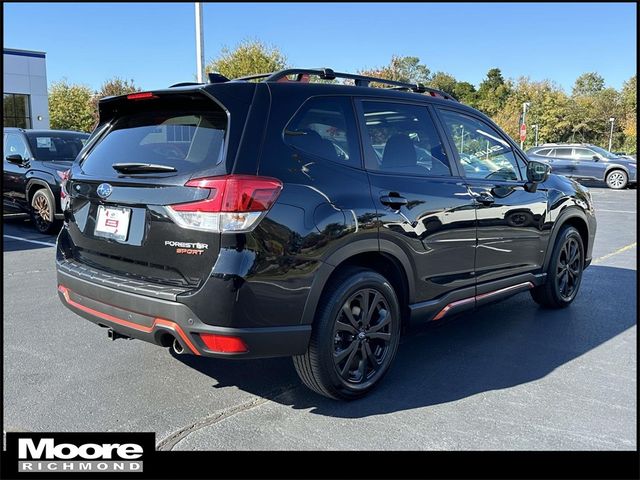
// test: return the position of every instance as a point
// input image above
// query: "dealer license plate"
(113, 222)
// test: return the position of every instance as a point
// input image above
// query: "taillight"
(223, 343)
(64, 195)
(236, 203)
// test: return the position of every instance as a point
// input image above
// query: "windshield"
(603, 152)
(56, 146)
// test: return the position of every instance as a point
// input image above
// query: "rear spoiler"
(112, 106)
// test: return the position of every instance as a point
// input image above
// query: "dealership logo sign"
(47, 455)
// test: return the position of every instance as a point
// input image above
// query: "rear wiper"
(142, 167)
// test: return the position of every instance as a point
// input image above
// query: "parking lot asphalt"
(509, 376)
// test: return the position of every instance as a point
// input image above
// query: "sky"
(154, 43)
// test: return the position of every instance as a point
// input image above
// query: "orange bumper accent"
(125, 323)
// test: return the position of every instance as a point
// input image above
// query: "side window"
(14, 144)
(562, 153)
(583, 154)
(543, 152)
(402, 138)
(482, 150)
(325, 127)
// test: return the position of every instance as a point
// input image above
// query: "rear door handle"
(393, 201)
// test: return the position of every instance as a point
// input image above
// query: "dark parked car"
(584, 161)
(269, 216)
(35, 161)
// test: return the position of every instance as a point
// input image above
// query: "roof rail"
(359, 80)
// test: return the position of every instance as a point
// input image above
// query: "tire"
(617, 179)
(43, 209)
(339, 344)
(564, 274)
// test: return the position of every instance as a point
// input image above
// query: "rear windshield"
(56, 146)
(187, 141)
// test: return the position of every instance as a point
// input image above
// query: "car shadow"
(495, 347)
(21, 226)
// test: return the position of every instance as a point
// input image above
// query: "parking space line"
(620, 250)
(615, 211)
(29, 240)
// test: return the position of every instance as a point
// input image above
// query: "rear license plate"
(113, 222)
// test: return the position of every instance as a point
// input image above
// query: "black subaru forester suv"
(276, 216)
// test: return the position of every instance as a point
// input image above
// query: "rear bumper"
(158, 321)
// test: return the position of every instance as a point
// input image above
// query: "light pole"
(525, 106)
(462, 139)
(536, 127)
(199, 43)
(612, 120)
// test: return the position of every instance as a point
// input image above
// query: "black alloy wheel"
(569, 269)
(564, 273)
(355, 336)
(362, 336)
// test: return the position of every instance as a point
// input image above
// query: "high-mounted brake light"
(236, 203)
(140, 96)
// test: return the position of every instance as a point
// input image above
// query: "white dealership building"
(25, 102)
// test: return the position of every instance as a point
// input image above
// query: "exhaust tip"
(177, 347)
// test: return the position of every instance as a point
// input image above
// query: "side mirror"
(537, 172)
(596, 158)
(16, 158)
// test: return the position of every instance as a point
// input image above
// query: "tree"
(70, 106)
(588, 84)
(591, 107)
(493, 92)
(445, 82)
(401, 69)
(466, 93)
(628, 100)
(463, 91)
(548, 108)
(250, 57)
(112, 87)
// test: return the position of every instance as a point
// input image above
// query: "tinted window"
(544, 151)
(583, 154)
(562, 153)
(56, 146)
(402, 138)
(603, 152)
(185, 141)
(325, 127)
(482, 150)
(15, 145)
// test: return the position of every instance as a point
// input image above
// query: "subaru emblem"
(104, 190)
